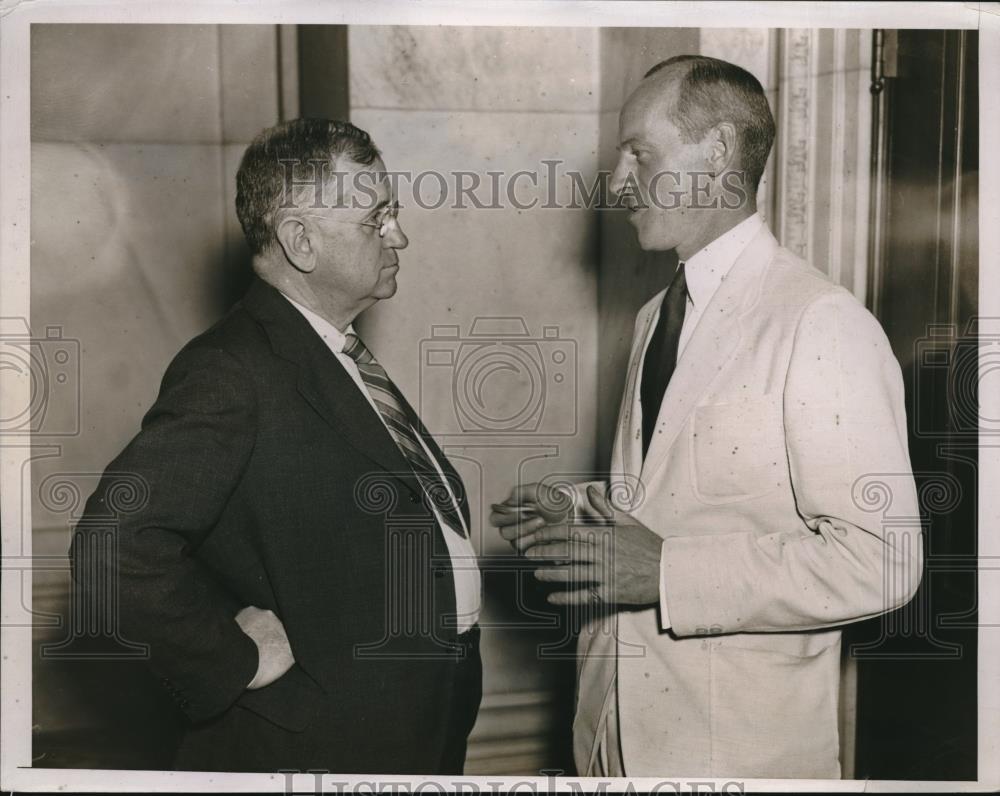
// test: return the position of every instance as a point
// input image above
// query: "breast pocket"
(737, 450)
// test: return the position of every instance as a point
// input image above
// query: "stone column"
(823, 150)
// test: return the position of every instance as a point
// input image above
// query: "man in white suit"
(760, 401)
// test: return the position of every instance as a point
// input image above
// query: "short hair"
(260, 181)
(714, 91)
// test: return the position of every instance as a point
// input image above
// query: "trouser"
(466, 696)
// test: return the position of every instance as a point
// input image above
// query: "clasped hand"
(608, 557)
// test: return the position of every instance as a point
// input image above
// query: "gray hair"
(304, 144)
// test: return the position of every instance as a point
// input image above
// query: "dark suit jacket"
(272, 482)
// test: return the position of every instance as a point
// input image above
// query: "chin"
(386, 288)
(652, 237)
(652, 243)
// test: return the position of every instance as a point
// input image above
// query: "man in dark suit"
(301, 570)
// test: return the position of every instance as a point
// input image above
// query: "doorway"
(917, 710)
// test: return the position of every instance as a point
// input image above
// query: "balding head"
(693, 141)
(697, 93)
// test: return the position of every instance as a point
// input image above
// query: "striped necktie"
(390, 405)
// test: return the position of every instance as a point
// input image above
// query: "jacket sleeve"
(188, 460)
(845, 436)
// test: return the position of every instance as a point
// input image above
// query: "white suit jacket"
(785, 411)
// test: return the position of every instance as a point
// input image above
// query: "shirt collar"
(705, 270)
(332, 336)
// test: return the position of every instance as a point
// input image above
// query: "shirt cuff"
(664, 613)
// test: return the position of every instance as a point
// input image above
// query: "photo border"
(15, 512)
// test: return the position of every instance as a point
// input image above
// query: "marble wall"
(135, 242)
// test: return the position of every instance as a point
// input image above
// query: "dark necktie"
(661, 355)
(390, 405)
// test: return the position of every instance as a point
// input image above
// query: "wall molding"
(823, 151)
(512, 734)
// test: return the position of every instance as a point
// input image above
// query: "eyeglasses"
(381, 221)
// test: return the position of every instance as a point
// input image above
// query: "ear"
(721, 148)
(293, 237)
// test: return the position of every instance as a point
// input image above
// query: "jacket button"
(414, 498)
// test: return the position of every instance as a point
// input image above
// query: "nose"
(619, 175)
(394, 237)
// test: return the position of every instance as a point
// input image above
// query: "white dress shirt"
(465, 569)
(703, 272)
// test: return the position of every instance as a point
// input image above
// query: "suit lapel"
(711, 345)
(629, 433)
(324, 383)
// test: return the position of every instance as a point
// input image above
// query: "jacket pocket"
(774, 706)
(737, 450)
(291, 701)
(796, 645)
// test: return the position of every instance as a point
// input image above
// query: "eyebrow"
(629, 141)
(378, 207)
